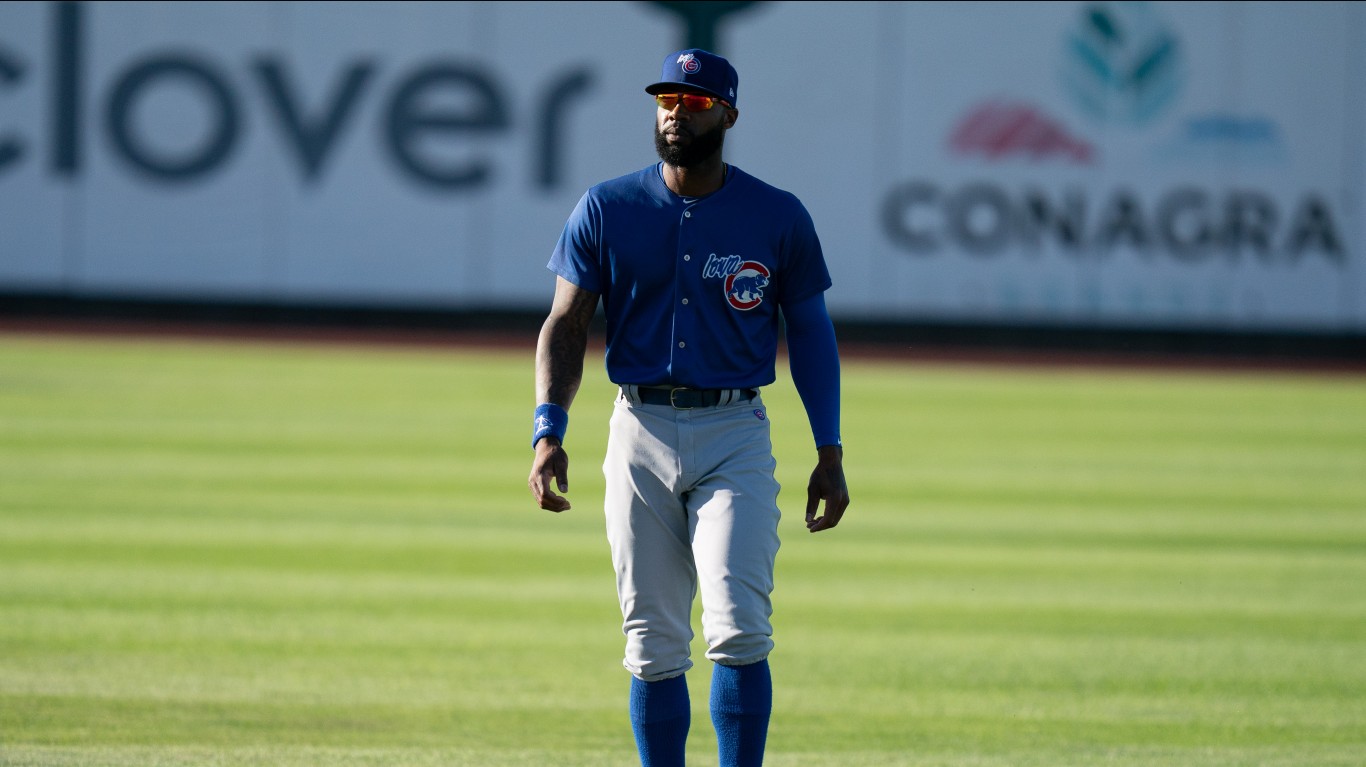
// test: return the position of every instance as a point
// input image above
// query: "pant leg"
(648, 531)
(735, 541)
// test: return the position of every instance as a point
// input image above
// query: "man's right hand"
(551, 462)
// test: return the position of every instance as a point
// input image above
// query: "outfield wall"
(1144, 165)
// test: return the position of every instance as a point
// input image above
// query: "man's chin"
(682, 150)
(670, 153)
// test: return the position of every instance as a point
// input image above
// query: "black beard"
(702, 147)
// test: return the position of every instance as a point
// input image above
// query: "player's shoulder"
(635, 186)
(762, 193)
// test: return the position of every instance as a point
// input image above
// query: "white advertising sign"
(1151, 165)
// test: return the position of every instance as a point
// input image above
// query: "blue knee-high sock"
(660, 716)
(741, 702)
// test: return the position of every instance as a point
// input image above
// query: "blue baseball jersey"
(691, 288)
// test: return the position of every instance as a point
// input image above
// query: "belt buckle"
(673, 398)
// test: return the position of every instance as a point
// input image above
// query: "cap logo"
(690, 63)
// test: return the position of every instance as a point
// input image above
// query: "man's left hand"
(827, 484)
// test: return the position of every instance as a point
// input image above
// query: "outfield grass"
(227, 553)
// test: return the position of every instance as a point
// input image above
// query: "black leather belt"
(683, 398)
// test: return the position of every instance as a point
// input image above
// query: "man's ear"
(732, 114)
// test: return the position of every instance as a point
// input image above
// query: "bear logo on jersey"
(745, 286)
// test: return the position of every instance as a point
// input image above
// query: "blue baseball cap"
(698, 70)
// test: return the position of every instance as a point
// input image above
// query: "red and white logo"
(745, 286)
(997, 130)
(690, 63)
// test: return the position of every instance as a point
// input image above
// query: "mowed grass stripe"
(240, 554)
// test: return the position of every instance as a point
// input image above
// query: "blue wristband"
(551, 421)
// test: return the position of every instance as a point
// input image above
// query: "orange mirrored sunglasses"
(693, 102)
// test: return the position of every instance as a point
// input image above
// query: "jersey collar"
(654, 182)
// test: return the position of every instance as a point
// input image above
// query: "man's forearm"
(815, 363)
(559, 360)
(562, 344)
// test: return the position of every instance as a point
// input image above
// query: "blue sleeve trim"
(815, 362)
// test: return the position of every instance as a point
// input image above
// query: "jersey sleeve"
(577, 255)
(806, 273)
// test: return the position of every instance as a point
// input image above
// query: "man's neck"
(697, 180)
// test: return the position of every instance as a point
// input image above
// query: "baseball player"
(698, 265)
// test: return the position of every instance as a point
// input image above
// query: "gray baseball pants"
(691, 501)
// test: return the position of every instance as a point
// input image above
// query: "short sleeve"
(577, 255)
(806, 273)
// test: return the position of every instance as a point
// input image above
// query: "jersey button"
(687, 257)
(685, 302)
(682, 344)
(687, 214)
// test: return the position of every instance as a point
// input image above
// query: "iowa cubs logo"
(744, 280)
(745, 288)
(690, 63)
